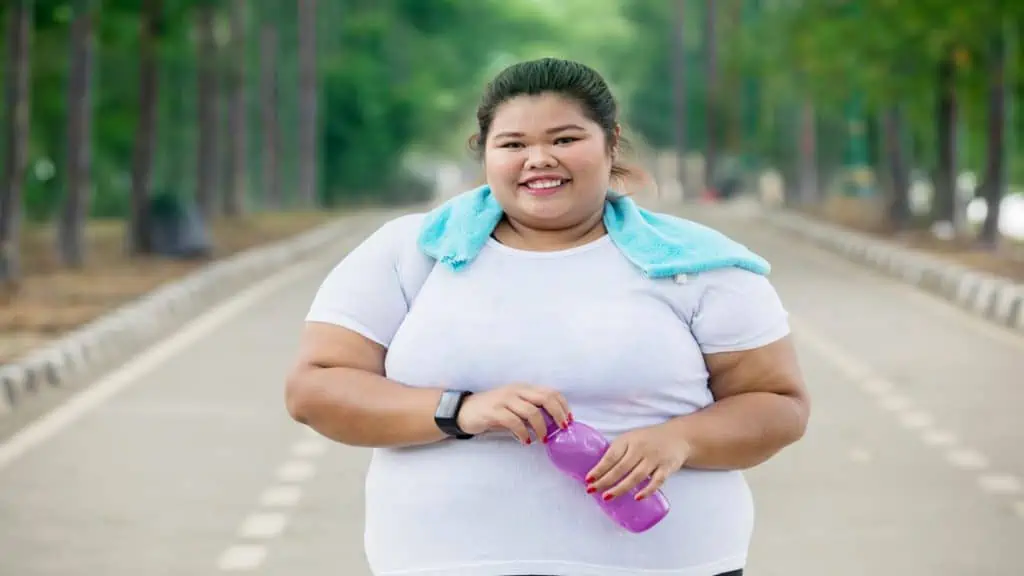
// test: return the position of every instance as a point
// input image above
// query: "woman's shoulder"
(401, 227)
(393, 236)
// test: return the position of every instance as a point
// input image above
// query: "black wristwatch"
(447, 414)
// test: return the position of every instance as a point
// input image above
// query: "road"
(184, 461)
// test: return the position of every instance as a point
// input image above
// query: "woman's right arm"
(337, 388)
(337, 385)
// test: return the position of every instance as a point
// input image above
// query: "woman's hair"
(565, 78)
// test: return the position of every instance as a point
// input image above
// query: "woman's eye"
(565, 140)
(511, 145)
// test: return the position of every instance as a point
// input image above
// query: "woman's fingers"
(509, 420)
(531, 415)
(551, 400)
(617, 462)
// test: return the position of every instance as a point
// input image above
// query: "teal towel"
(660, 245)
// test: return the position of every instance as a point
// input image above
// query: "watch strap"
(447, 414)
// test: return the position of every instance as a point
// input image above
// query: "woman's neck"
(517, 235)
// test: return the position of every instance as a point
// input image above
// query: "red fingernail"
(571, 417)
(528, 441)
(606, 497)
(564, 425)
(638, 497)
(591, 489)
(544, 439)
(589, 479)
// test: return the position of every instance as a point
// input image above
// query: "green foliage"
(394, 76)
(401, 76)
(776, 53)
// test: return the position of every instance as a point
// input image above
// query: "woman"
(692, 381)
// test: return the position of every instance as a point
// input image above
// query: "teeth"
(545, 183)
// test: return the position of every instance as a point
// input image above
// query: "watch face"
(446, 408)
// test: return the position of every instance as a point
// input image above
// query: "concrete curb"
(995, 298)
(115, 337)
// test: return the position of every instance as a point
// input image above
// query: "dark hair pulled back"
(553, 75)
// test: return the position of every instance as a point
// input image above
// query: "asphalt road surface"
(184, 462)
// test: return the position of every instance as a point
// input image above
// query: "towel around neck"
(660, 245)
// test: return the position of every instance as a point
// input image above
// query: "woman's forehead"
(539, 113)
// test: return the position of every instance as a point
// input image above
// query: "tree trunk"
(234, 191)
(711, 104)
(944, 203)
(151, 27)
(807, 158)
(679, 99)
(269, 116)
(16, 139)
(308, 149)
(895, 151)
(206, 100)
(71, 238)
(994, 183)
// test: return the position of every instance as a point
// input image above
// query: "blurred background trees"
(240, 107)
(902, 108)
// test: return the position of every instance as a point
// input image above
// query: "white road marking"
(894, 402)
(295, 471)
(860, 455)
(877, 386)
(967, 459)
(884, 391)
(934, 437)
(849, 366)
(1002, 484)
(267, 525)
(263, 525)
(241, 558)
(309, 447)
(52, 423)
(281, 496)
(916, 419)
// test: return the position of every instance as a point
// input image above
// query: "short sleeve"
(363, 292)
(737, 310)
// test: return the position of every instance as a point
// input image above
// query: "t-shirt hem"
(569, 569)
(775, 334)
(349, 323)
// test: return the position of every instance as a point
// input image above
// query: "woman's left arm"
(761, 406)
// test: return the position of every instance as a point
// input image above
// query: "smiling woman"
(550, 152)
(691, 380)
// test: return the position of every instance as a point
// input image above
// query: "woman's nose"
(540, 157)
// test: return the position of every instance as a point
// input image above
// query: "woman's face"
(547, 163)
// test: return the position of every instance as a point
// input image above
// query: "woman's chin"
(542, 211)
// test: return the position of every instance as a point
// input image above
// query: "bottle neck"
(551, 424)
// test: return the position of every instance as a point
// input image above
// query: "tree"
(16, 138)
(308, 86)
(151, 27)
(71, 242)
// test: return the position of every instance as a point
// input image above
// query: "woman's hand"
(635, 456)
(512, 408)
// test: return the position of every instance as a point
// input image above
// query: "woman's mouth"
(545, 186)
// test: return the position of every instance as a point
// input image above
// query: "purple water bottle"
(576, 450)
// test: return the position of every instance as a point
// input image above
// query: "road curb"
(995, 298)
(115, 337)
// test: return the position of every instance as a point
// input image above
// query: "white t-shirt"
(626, 351)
